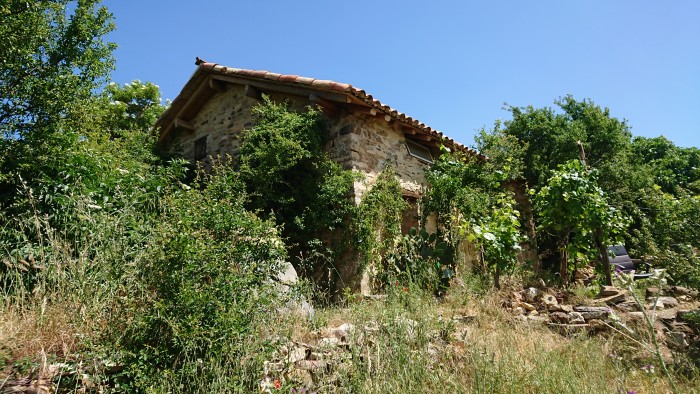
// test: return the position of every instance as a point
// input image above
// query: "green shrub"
(378, 223)
(288, 176)
(207, 282)
(683, 266)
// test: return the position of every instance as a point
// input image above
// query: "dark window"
(419, 151)
(200, 148)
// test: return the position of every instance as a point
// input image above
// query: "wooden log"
(183, 124)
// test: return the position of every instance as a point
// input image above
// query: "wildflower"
(660, 276)
(277, 383)
(397, 283)
(648, 369)
(614, 357)
(405, 289)
(265, 385)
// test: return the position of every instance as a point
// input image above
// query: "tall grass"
(93, 288)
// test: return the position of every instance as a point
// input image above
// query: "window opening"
(419, 152)
(200, 148)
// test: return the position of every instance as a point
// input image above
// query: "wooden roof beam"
(201, 89)
(183, 124)
(217, 85)
(297, 90)
(362, 109)
(253, 92)
(423, 137)
(409, 130)
(329, 107)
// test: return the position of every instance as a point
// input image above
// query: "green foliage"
(458, 187)
(53, 56)
(573, 202)
(684, 265)
(467, 195)
(53, 59)
(498, 235)
(206, 279)
(420, 259)
(132, 107)
(103, 172)
(287, 174)
(673, 168)
(505, 152)
(651, 181)
(378, 220)
(572, 207)
(548, 138)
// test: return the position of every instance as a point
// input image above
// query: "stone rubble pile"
(613, 309)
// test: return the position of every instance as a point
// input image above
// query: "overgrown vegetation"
(162, 277)
(287, 175)
(634, 175)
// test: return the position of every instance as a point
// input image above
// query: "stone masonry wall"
(377, 144)
(361, 143)
(226, 114)
(358, 142)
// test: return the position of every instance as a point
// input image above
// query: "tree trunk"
(497, 277)
(603, 251)
(524, 205)
(564, 265)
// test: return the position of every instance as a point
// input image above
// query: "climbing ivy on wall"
(289, 177)
(378, 219)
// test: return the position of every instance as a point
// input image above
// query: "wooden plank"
(362, 109)
(329, 107)
(323, 102)
(183, 124)
(423, 137)
(409, 130)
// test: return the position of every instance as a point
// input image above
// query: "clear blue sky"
(450, 64)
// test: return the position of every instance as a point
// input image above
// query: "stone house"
(366, 135)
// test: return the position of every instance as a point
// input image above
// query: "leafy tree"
(466, 194)
(53, 59)
(506, 152)
(498, 235)
(132, 107)
(573, 208)
(548, 138)
(675, 169)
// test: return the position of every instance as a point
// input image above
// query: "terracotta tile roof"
(331, 86)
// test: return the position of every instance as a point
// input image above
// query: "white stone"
(576, 318)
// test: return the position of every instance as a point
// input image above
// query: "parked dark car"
(620, 259)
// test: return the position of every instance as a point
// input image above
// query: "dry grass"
(491, 352)
(483, 350)
(36, 338)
